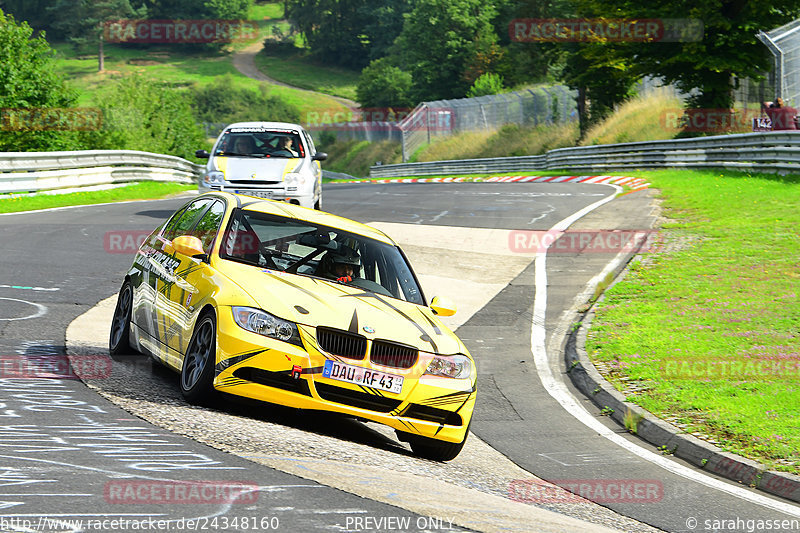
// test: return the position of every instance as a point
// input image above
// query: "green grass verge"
(147, 190)
(722, 291)
(297, 69)
(180, 69)
(266, 10)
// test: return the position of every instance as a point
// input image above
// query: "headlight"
(294, 178)
(265, 324)
(214, 177)
(450, 366)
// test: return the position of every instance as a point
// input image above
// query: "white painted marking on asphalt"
(550, 209)
(558, 390)
(21, 287)
(440, 215)
(40, 310)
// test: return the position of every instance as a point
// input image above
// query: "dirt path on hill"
(244, 61)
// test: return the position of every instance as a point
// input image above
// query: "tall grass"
(644, 118)
(509, 140)
(355, 157)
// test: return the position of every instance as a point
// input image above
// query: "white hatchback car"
(275, 160)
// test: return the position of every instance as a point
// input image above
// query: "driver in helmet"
(340, 265)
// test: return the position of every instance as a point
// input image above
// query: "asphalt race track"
(68, 453)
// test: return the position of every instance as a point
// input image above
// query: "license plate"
(257, 194)
(363, 376)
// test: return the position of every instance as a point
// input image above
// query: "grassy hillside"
(510, 140)
(180, 69)
(645, 118)
(355, 157)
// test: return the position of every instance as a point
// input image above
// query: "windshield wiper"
(241, 155)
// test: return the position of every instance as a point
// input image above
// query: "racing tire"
(119, 338)
(197, 371)
(433, 449)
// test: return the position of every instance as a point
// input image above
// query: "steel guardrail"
(763, 151)
(27, 172)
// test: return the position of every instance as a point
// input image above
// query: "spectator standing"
(781, 116)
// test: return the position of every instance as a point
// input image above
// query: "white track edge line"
(558, 390)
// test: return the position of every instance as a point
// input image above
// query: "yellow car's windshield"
(300, 247)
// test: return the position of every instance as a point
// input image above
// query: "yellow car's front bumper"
(266, 369)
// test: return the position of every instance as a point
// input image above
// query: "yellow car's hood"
(317, 302)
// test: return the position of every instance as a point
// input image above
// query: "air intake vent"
(342, 343)
(362, 400)
(393, 355)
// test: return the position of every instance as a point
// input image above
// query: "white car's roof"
(277, 125)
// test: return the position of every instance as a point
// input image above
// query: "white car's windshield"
(302, 248)
(260, 142)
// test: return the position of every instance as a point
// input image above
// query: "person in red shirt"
(782, 117)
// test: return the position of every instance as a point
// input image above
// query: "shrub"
(383, 85)
(221, 102)
(487, 83)
(139, 114)
(28, 81)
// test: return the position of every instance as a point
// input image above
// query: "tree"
(440, 40)
(728, 46)
(384, 22)
(28, 81)
(603, 80)
(384, 85)
(333, 29)
(198, 9)
(140, 114)
(221, 101)
(34, 12)
(489, 83)
(84, 25)
(348, 33)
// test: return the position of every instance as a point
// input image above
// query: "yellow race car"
(297, 307)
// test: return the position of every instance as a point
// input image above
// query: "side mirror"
(443, 306)
(320, 156)
(202, 154)
(188, 245)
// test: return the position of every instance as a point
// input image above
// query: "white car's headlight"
(263, 323)
(450, 366)
(214, 177)
(294, 178)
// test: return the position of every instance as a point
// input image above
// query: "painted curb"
(630, 181)
(664, 435)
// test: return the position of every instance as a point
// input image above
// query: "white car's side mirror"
(443, 306)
